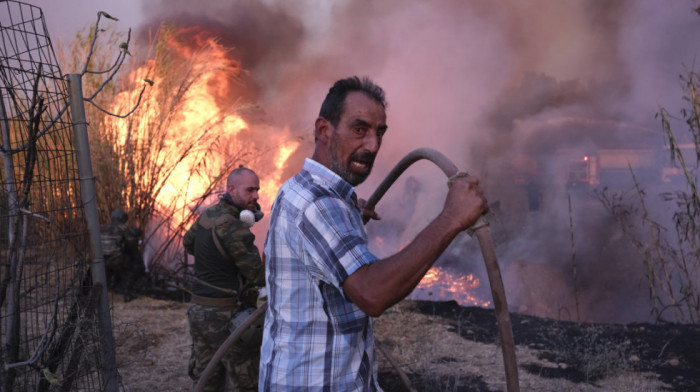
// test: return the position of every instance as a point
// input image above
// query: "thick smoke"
(502, 88)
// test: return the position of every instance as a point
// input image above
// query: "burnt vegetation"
(669, 247)
(583, 353)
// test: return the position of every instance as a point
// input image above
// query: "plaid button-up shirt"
(315, 338)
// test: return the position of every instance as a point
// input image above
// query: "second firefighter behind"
(228, 270)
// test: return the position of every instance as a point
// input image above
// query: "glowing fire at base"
(439, 284)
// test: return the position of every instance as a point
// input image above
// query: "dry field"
(444, 347)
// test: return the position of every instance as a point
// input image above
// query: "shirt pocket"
(346, 317)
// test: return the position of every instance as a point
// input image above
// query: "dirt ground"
(444, 347)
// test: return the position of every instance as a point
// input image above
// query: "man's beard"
(238, 201)
(344, 172)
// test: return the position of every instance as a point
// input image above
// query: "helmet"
(119, 215)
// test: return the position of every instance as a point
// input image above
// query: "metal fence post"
(88, 195)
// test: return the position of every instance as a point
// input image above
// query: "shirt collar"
(332, 180)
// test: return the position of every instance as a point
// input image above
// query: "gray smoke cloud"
(495, 86)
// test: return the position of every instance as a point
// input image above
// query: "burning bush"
(163, 161)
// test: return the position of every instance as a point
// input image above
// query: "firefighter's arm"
(189, 237)
(376, 287)
(239, 243)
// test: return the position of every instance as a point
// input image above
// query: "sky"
(484, 82)
(64, 18)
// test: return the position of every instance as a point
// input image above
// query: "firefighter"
(228, 270)
(120, 247)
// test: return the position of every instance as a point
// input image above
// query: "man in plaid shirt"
(324, 285)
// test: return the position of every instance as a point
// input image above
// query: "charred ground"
(584, 353)
(442, 346)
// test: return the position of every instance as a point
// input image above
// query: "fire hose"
(483, 234)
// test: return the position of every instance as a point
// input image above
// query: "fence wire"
(49, 331)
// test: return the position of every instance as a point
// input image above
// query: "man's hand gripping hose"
(483, 234)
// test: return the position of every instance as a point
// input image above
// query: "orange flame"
(273, 181)
(439, 284)
(206, 116)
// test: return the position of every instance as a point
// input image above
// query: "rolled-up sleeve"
(335, 240)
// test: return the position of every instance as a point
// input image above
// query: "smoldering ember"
(580, 118)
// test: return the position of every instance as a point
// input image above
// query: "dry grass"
(429, 346)
(153, 349)
(153, 344)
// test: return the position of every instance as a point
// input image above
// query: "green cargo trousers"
(209, 328)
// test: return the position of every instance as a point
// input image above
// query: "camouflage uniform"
(121, 255)
(222, 277)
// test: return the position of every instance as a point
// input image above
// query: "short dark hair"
(334, 104)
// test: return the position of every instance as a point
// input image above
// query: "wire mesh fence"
(49, 330)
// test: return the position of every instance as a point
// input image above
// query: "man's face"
(244, 190)
(356, 140)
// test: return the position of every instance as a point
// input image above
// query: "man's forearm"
(377, 287)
